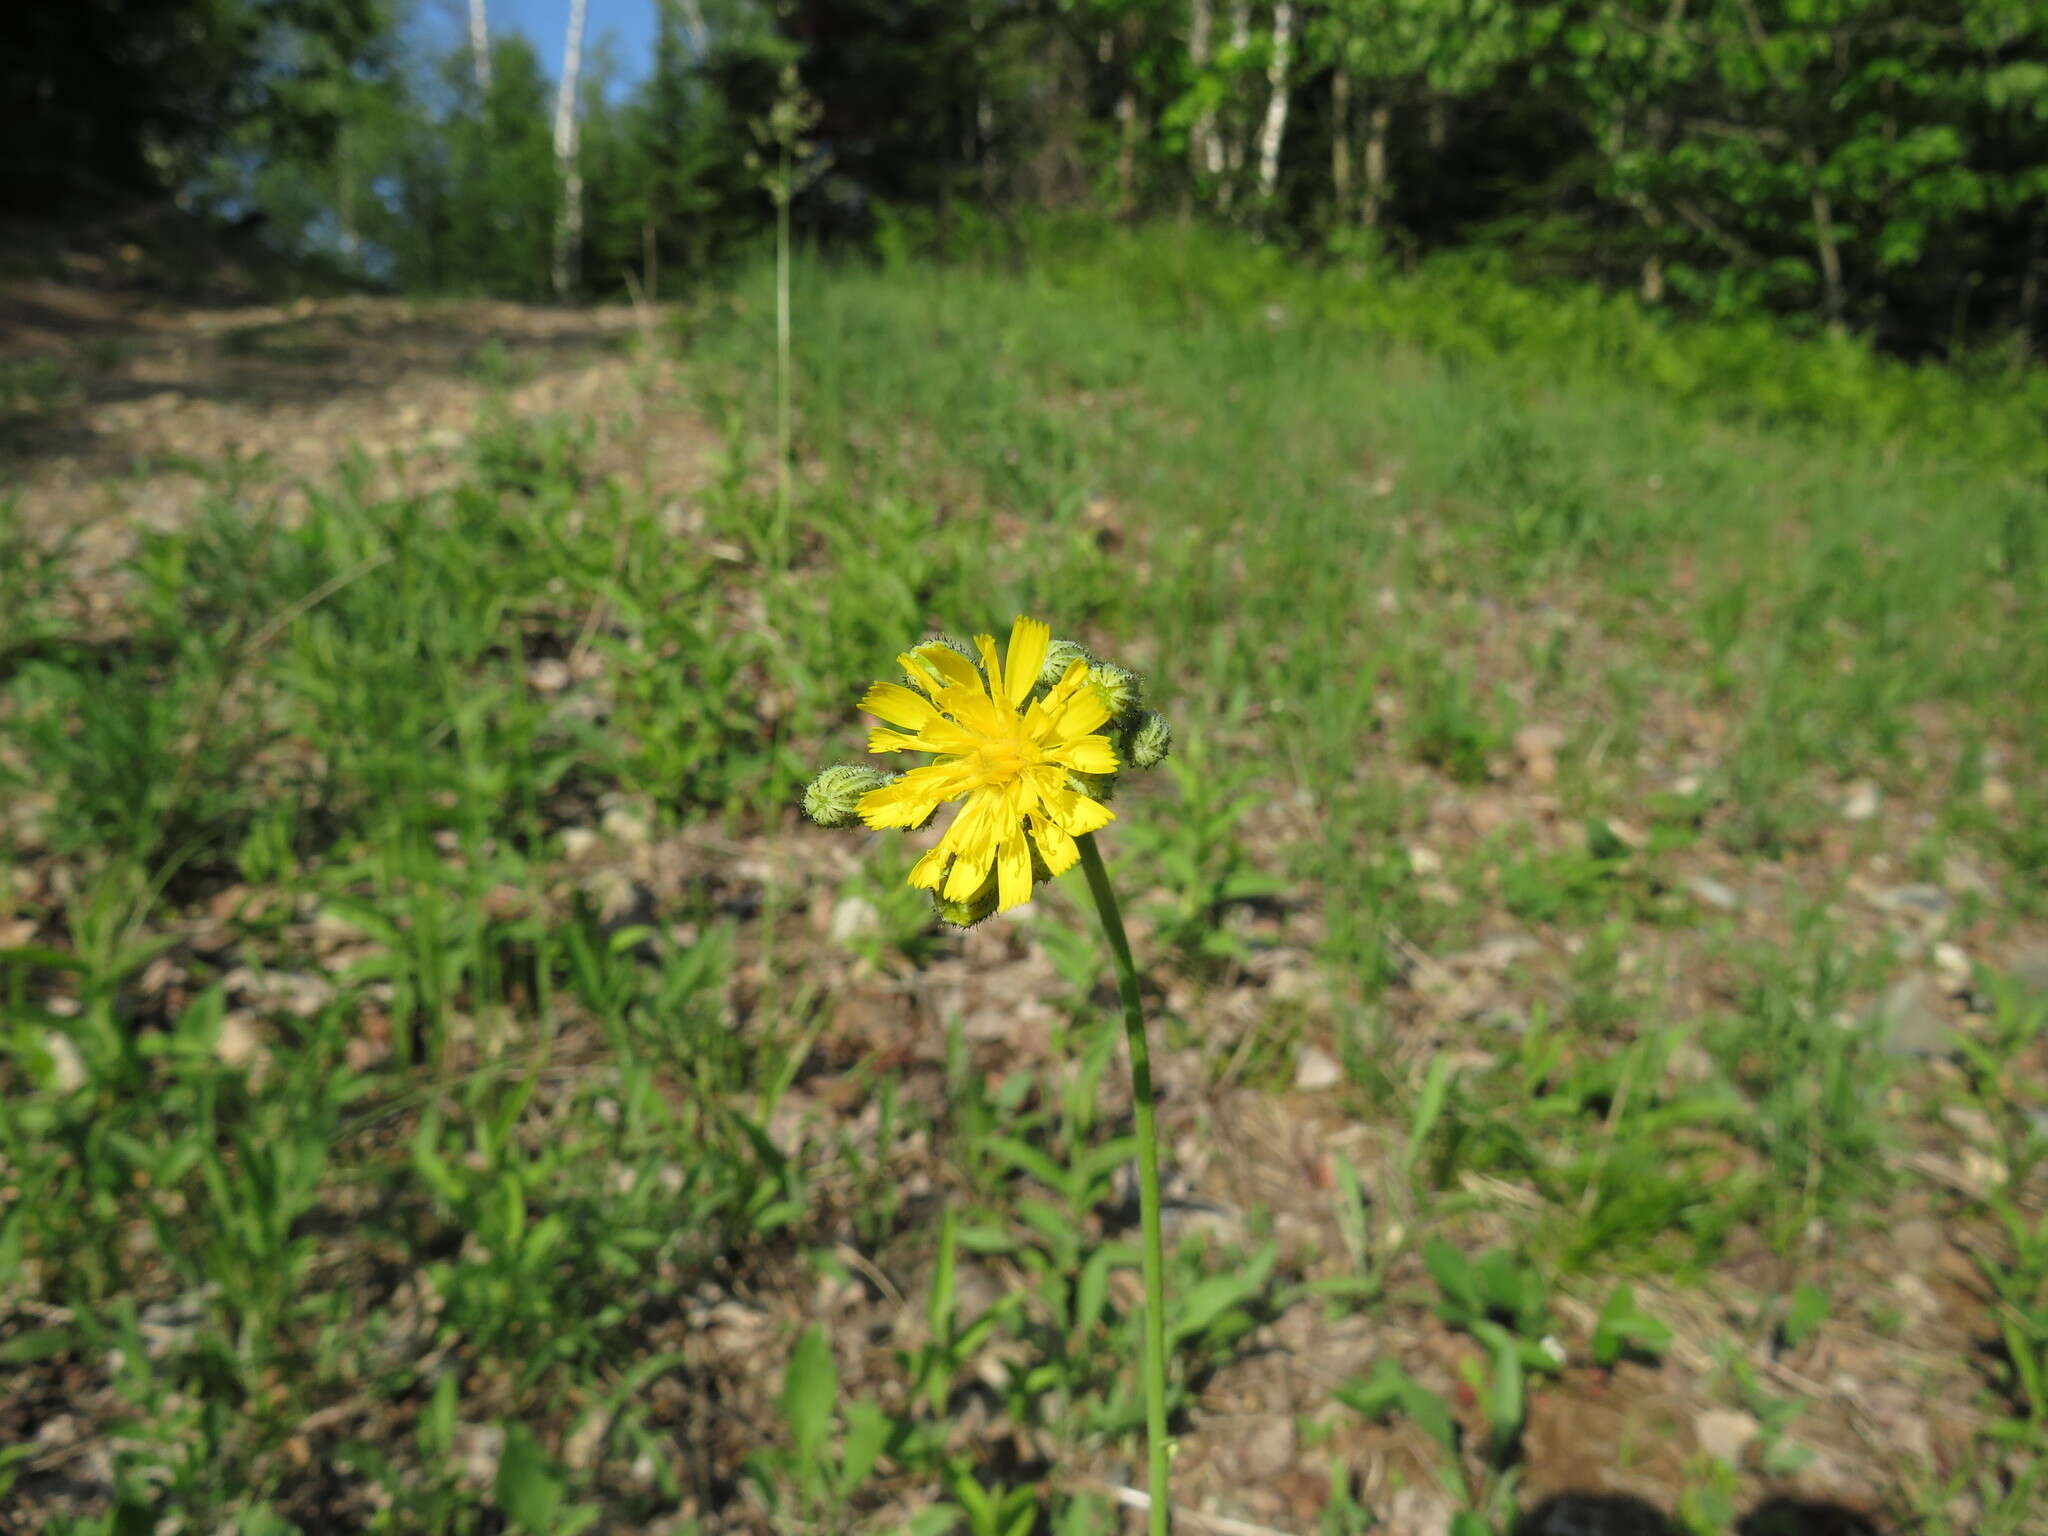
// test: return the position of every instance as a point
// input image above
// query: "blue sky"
(630, 23)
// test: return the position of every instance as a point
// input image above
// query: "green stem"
(782, 366)
(1148, 1177)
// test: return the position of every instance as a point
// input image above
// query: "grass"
(447, 1092)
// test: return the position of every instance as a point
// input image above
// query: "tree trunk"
(693, 23)
(1826, 243)
(1378, 121)
(1233, 148)
(479, 48)
(1127, 150)
(1275, 127)
(1340, 139)
(345, 192)
(1205, 152)
(569, 220)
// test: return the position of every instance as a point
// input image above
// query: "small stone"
(67, 1064)
(1996, 794)
(1723, 1433)
(239, 1039)
(577, 842)
(1537, 746)
(1909, 1022)
(1912, 900)
(549, 675)
(1960, 874)
(1954, 965)
(854, 917)
(1316, 1069)
(1711, 892)
(1688, 1065)
(1862, 801)
(475, 1449)
(1425, 861)
(1497, 954)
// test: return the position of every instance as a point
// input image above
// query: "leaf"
(528, 1488)
(1436, 1088)
(1454, 1276)
(867, 1432)
(1201, 1306)
(36, 1344)
(810, 1387)
(1388, 1388)
(1623, 1326)
(1506, 1403)
(1808, 1311)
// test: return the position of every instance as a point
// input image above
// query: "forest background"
(1879, 165)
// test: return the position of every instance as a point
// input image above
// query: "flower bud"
(1121, 687)
(976, 908)
(1151, 738)
(1096, 786)
(1059, 656)
(832, 797)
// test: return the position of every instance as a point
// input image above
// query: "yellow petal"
(1076, 813)
(953, 668)
(899, 706)
(1055, 846)
(912, 798)
(1091, 754)
(991, 664)
(973, 839)
(1086, 711)
(1013, 871)
(926, 873)
(1030, 639)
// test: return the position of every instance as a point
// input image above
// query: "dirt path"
(117, 415)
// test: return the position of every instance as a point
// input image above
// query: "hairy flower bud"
(830, 799)
(1150, 739)
(1123, 688)
(1059, 656)
(965, 914)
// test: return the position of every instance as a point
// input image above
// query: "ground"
(452, 1078)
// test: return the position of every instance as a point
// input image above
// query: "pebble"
(1917, 900)
(1723, 1433)
(854, 917)
(1713, 893)
(1316, 1069)
(1909, 1021)
(1862, 801)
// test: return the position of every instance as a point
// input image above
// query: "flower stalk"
(1157, 1445)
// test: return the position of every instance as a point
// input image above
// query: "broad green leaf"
(810, 1388)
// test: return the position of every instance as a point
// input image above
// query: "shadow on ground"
(1620, 1514)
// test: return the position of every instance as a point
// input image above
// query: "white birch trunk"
(1275, 126)
(480, 48)
(569, 220)
(1207, 147)
(693, 23)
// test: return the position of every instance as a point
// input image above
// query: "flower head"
(1010, 757)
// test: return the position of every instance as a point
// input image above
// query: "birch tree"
(479, 49)
(1275, 125)
(569, 217)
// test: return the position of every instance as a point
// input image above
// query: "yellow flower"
(1009, 760)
